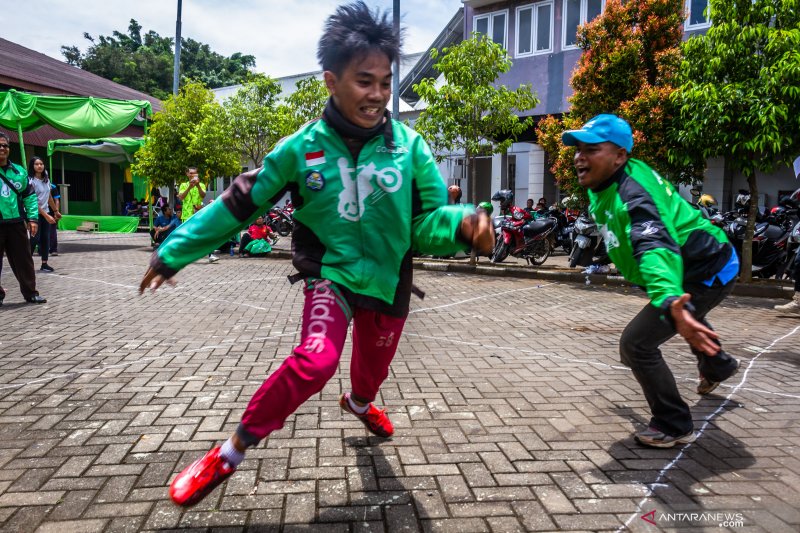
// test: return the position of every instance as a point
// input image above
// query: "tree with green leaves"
(259, 118)
(739, 94)
(306, 103)
(253, 117)
(191, 130)
(145, 62)
(631, 54)
(468, 112)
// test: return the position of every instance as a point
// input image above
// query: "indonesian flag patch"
(315, 158)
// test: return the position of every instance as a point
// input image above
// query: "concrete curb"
(758, 288)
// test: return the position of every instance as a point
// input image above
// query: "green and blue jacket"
(657, 239)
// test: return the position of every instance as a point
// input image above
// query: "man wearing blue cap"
(659, 242)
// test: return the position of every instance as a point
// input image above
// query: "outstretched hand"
(153, 281)
(478, 231)
(698, 335)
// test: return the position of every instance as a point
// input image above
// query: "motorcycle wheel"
(574, 255)
(500, 251)
(540, 253)
(284, 228)
(566, 245)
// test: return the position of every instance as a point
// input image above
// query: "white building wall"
(498, 172)
(536, 174)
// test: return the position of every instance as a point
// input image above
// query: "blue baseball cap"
(602, 128)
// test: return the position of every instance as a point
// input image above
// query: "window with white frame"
(493, 25)
(697, 17)
(577, 12)
(535, 29)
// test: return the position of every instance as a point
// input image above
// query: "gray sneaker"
(792, 307)
(658, 439)
(213, 258)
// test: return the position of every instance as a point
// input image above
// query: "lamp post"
(176, 70)
(396, 66)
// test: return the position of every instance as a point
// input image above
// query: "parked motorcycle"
(772, 246)
(525, 239)
(588, 245)
(562, 234)
(280, 221)
(770, 243)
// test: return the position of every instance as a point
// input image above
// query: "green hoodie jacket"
(20, 204)
(654, 237)
(356, 222)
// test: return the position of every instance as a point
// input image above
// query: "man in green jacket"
(19, 214)
(659, 242)
(367, 193)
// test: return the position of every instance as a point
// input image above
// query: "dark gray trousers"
(639, 350)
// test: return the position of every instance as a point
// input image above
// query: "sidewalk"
(512, 411)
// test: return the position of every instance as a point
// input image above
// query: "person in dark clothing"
(40, 181)
(164, 224)
(55, 194)
(19, 215)
(659, 242)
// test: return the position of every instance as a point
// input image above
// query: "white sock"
(231, 455)
(355, 407)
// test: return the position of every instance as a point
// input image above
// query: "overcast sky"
(281, 34)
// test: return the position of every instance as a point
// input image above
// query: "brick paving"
(512, 412)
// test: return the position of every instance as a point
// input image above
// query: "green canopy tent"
(117, 150)
(80, 116)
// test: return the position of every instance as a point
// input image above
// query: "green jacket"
(653, 236)
(356, 222)
(20, 204)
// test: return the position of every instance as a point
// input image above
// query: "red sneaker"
(199, 478)
(374, 419)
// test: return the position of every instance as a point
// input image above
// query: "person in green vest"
(367, 193)
(191, 195)
(19, 216)
(662, 244)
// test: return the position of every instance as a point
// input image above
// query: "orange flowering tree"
(630, 60)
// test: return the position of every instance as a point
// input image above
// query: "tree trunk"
(473, 179)
(473, 193)
(746, 274)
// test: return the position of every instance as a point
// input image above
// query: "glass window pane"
(543, 24)
(573, 20)
(482, 25)
(499, 29)
(697, 12)
(593, 8)
(524, 33)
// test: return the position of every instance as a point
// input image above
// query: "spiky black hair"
(354, 31)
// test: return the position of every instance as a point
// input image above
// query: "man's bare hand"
(698, 335)
(478, 231)
(153, 281)
(33, 228)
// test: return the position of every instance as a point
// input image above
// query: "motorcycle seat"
(538, 226)
(775, 233)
